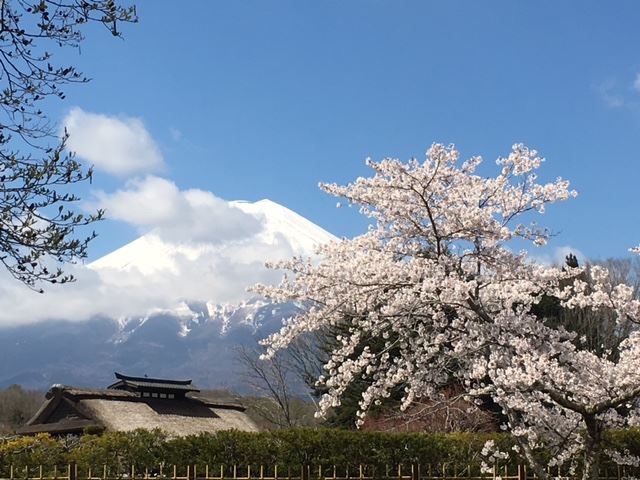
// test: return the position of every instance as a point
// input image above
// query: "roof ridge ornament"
(121, 376)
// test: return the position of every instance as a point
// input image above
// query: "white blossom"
(436, 283)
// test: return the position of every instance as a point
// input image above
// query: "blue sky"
(257, 99)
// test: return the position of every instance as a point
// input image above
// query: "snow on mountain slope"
(169, 269)
(178, 278)
(282, 229)
(301, 234)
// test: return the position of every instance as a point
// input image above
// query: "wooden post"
(522, 472)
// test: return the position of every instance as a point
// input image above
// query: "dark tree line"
(17, 406)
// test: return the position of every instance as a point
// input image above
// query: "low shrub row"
(289, 449)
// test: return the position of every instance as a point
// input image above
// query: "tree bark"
(593, 447)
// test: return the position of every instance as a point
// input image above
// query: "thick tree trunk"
(593, 448)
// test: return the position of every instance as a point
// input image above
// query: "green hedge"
(289, 449)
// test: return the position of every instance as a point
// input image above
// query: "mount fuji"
(163, 305)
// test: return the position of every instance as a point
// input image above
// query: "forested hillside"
(17, 406)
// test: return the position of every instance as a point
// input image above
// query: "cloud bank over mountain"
(191, 216)
(194, 247)
(166, 267)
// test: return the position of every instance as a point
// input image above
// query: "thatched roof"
(78, 393)
(59, 428)
(72, 409)
(180, 417)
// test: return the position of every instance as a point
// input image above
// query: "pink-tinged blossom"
(437, 287)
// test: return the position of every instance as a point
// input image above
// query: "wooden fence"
(192, 472)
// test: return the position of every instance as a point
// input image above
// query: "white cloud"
(176, 134)
(557, 256)
(560, 255)
(156, 204)
(636, 83)
(119, 146)
(616, 94)
(195, 246)
(610, 95)
(163, 268)
(212, 275)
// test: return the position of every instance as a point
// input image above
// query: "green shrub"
(288, 449)
(30, 453)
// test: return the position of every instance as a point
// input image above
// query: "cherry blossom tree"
(435, 291)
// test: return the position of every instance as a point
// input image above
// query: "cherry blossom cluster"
(433, 293)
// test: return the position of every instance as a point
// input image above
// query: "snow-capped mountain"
(281, 228)
(164, 307)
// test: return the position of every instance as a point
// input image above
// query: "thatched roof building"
(136, 402)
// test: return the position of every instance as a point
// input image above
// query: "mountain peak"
(281, 229)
